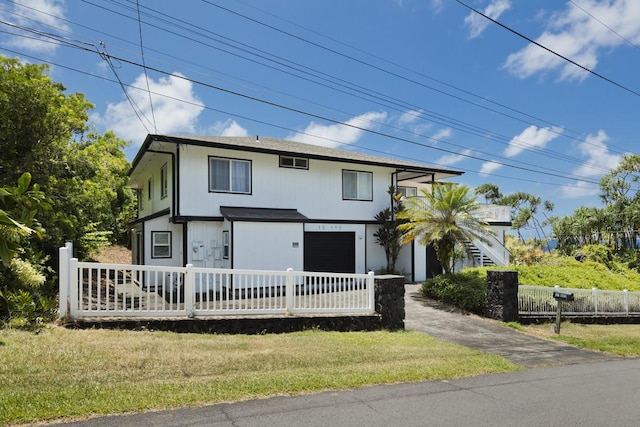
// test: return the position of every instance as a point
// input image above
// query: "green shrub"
(597, 253)
(28, 310)
(466, 290)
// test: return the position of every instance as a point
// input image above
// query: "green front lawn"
(61, 373)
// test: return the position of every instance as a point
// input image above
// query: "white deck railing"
(116, 290)
(534, 300)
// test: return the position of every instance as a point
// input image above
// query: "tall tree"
(37, 121)
(44, 131)
(620, 191)
(447, 217)
(525, 209)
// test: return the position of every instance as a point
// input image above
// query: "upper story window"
(150, 188)
(408, 191)
(294, 162)
(357, 185)
(140, 199)
(164, 182)
(229, 175)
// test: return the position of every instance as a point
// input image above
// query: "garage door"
(330, 252)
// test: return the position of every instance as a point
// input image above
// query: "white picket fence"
(535, 300)
(125, 291)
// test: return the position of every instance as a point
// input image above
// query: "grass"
(71, 374)
(623, 340)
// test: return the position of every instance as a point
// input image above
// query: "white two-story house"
(270, 204)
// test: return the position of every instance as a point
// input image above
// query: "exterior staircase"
(479, 257)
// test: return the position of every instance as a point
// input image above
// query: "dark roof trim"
(189, 218)
(261, 214)
(158, 214)
(500, 223)
(342, 221)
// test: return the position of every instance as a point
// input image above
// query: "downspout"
(185, 246)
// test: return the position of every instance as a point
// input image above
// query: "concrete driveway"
(452, 325)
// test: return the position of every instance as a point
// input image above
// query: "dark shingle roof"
(281, 146)
(261, 214)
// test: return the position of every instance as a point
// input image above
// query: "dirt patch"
(114, 254)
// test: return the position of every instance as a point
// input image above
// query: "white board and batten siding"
(268, 245)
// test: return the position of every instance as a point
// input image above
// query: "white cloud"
(337, 134)
(579, 37)
(532, 138)
(598, 162)
(409, 117)
(228, 128)
(175, 109)
(452, 159)
(477, 23)
(489, 167)
(442, 134)
(42, 15)
(436, 5)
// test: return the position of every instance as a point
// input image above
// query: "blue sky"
(429, 81)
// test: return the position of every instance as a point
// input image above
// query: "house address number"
(330, 227)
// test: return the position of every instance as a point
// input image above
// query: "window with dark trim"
(357, 185)
(160, 244)
(294, 162)
(225, 244)
(150, 188)
(141, 199)
(229, 175)
(408, 191)
(164, 182)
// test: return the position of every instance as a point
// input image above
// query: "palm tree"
(447, 217)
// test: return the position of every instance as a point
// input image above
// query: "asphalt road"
(590, 394)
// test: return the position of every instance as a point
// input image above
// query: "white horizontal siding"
(316, 192)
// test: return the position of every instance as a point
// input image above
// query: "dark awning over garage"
(262, 214)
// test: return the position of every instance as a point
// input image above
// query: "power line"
(484, 99)
(252, 119)
(550, 50)
(380, 99)
(338, 122)
(629, 42)
(331, 120)
(146, 77)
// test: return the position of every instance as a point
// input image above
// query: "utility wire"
(331, 120)
(528, 167)
(382, 99)
(484, 99)
(379, 98)
(146, 77)
(629, 42)
(550, 50)
(252, 119)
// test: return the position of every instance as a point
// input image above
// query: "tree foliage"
(447, 218)
(19, 206)
(525, 208)
(44, 131)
